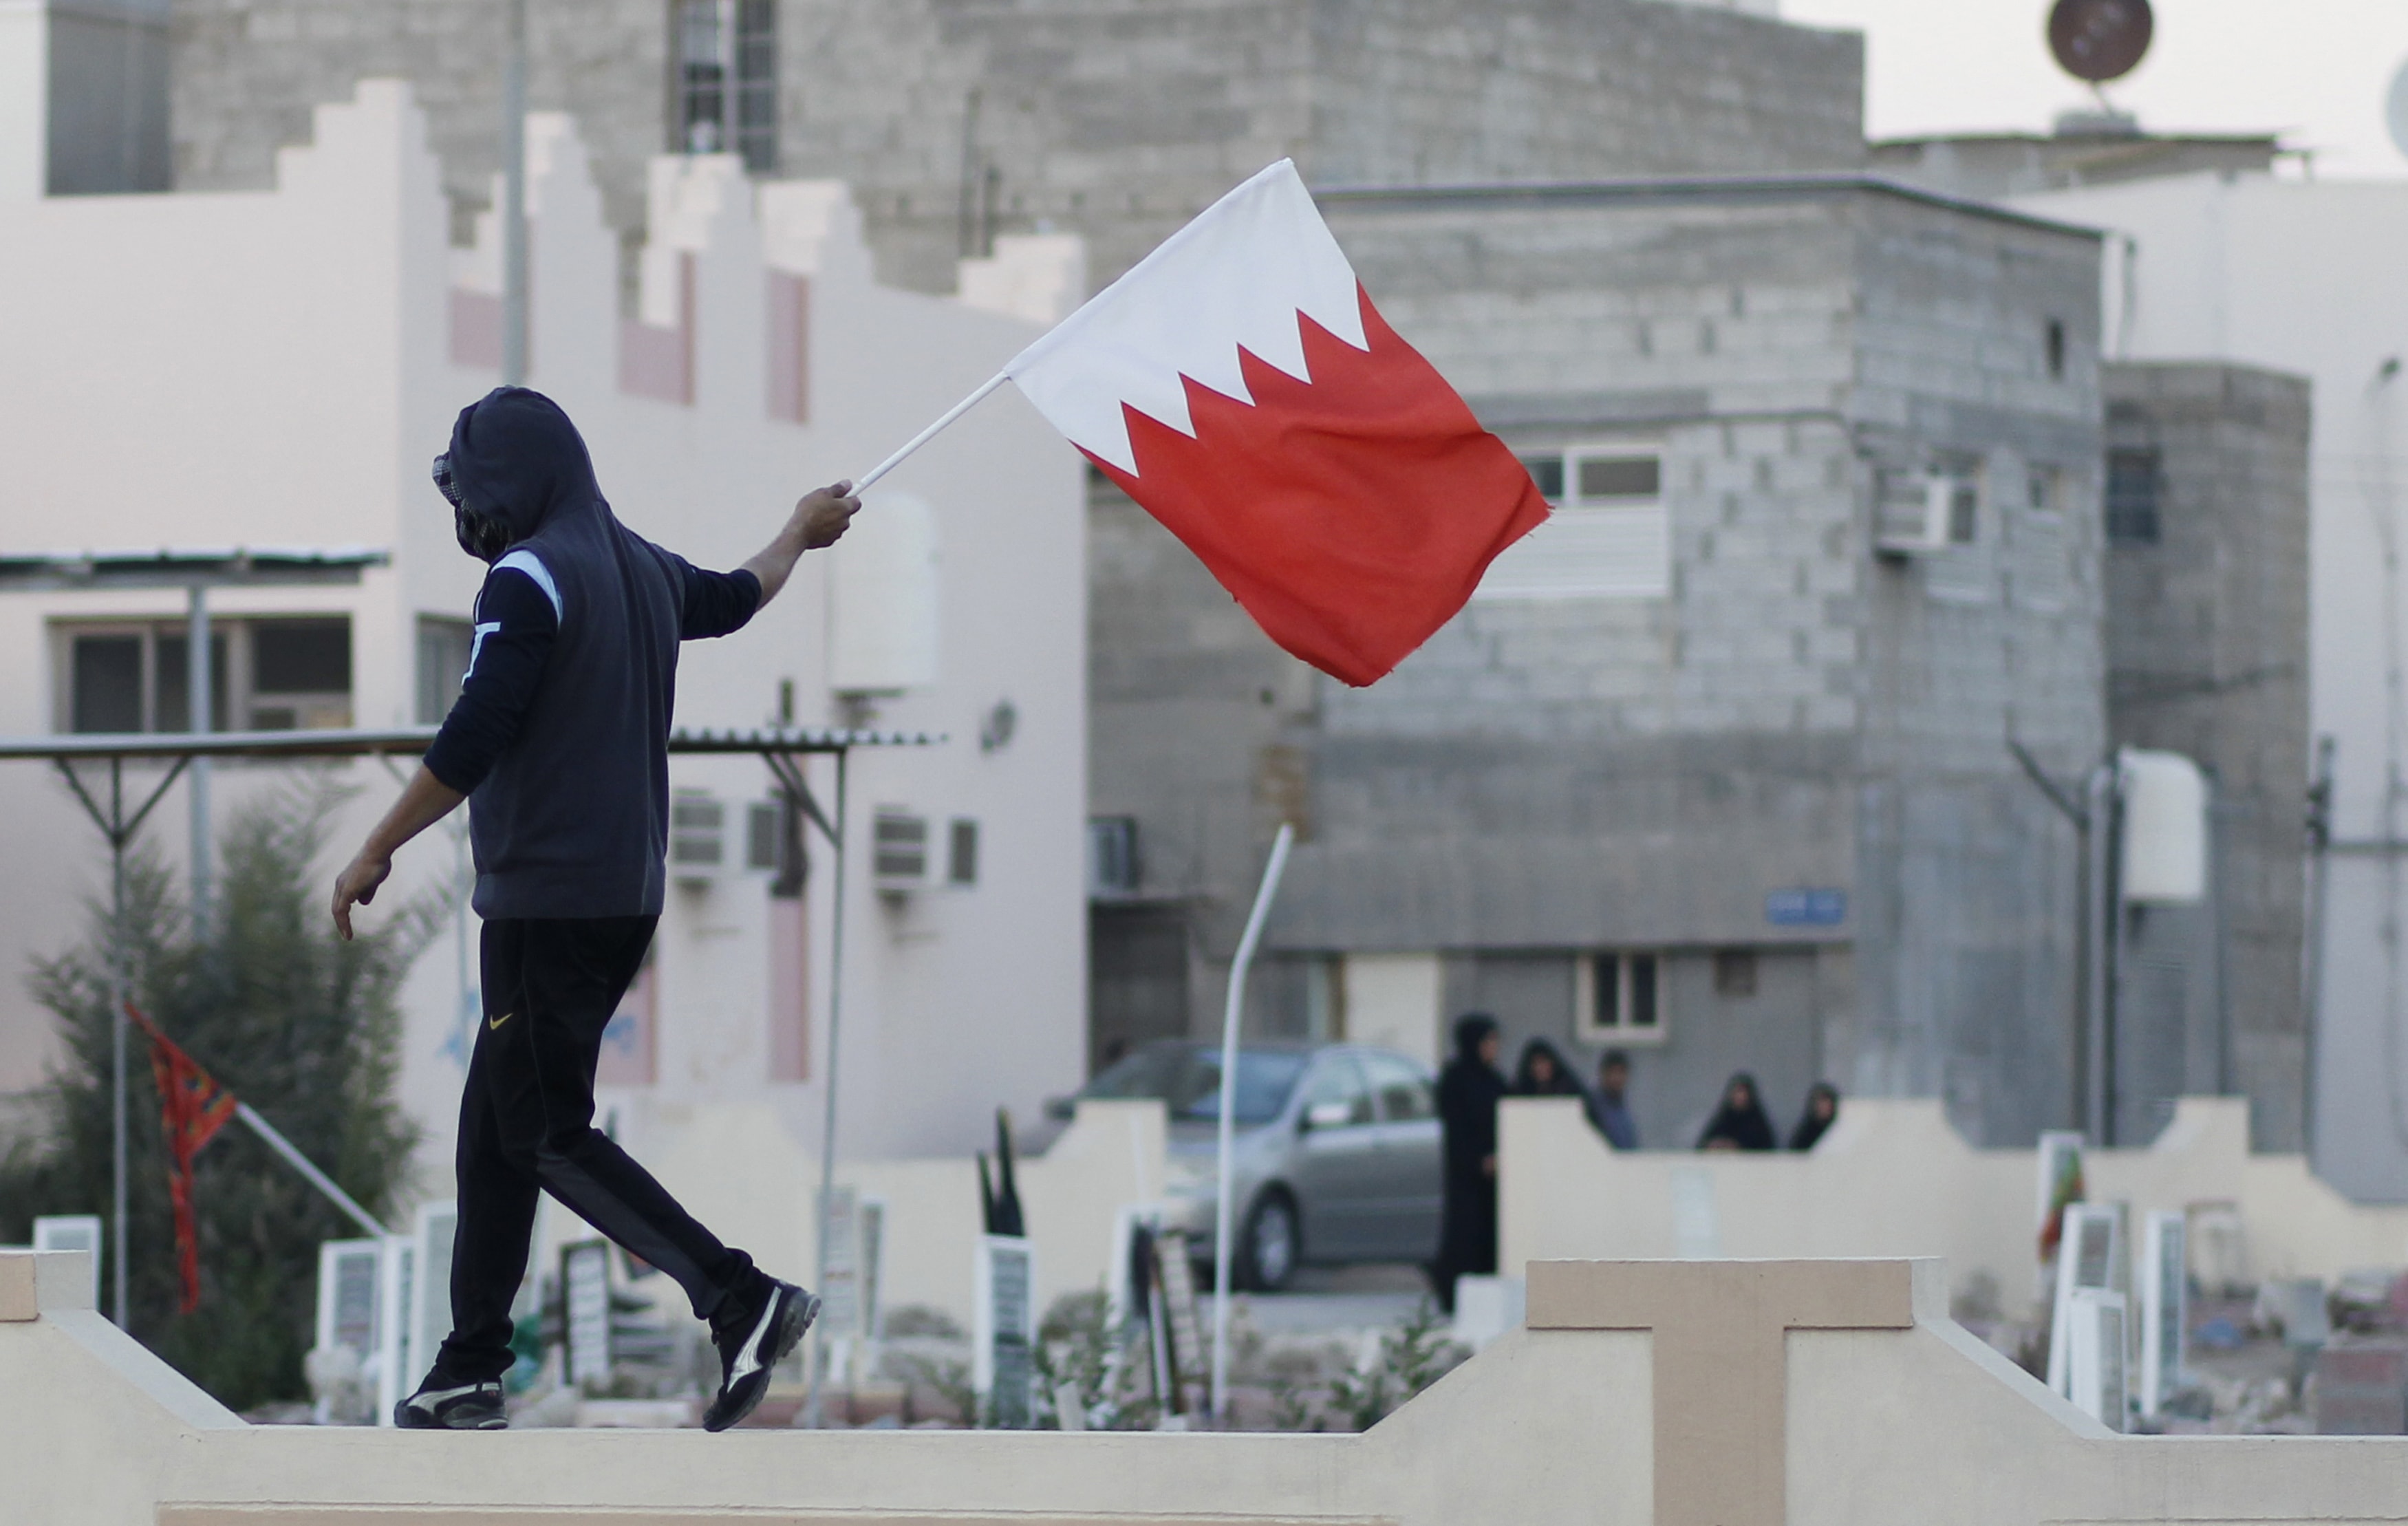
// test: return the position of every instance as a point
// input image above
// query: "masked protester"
(559, 743)
(1469, 1091)
(1741, 1123)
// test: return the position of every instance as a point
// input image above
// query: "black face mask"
(480, 535)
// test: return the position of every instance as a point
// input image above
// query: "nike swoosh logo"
(491, 1023)
(748, 1360)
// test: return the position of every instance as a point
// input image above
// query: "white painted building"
(277, 368)
(2307, 277)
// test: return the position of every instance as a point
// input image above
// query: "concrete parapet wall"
(1893, 1178)
(1733, 1393)
(1108, 1158)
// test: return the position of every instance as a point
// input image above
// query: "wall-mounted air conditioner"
(1919, 512)
(899, 855)
(710, 840)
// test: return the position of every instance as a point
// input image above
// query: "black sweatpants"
(526, 1124)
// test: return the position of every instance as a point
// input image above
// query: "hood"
(516, 457)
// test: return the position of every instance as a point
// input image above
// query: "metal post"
(2312, 973)
(117, 1039)
(1224, 1232)
(2098, 1058)
(514, 238)
(196, 691)
(813, 1404)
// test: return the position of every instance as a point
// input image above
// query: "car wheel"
(1272, 1245)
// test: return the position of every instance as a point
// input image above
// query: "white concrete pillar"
(24, 99)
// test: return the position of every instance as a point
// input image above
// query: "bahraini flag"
(193, 1107)
(1238, 383)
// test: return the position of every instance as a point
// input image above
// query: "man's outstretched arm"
(425, 801)
(817, 521)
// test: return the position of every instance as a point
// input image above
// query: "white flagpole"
(1221, 1228)
(931, 432)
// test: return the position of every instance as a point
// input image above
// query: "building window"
(962, 853)
(2052, 344)
(1113, 864)
(1608, 538)
(265, 674)
(727, 79)
(2132, 489)
(443, 647)
(1621, 998)
(300, 674)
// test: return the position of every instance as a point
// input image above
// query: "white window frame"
(1611, 547)
(237, 692)
(1623, 1033)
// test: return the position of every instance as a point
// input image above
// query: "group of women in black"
(1469, 1091)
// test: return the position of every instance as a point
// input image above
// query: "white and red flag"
(1240, 385)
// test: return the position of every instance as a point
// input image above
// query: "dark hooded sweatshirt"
(560, 735)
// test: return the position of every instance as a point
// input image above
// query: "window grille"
(727, 79)
(2134, 482)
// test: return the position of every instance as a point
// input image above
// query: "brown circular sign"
(2099, 39)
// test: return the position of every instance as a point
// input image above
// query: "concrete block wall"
(2207, 640)
(1117, 119)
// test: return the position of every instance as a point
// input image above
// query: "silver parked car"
(1336, 1158)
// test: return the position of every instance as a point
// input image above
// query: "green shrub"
(303, 1027)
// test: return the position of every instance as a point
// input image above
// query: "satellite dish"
(2395, 110)
(2099, 40)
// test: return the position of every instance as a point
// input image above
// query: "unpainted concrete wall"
(2207, 642)
(1118, 118)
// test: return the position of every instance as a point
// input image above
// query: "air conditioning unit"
(1919, 512)
(900, 850)
(698, 837)
(704, 841)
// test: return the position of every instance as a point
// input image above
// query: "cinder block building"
(1114, 118)
(1716, 768)
(2206, 519)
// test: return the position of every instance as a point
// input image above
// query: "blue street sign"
(1806, 907)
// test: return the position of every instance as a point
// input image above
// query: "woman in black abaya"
(1543, 1071)
(1741, 1123)
(1467, 1092)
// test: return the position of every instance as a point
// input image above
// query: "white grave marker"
(2165, 1307)
(348, 1275)
(72, 1231)
(1003, 1370)
(430, 1298)
(585, 1312)
(395, 1370)
(2086, 1261)
(2094, 1353)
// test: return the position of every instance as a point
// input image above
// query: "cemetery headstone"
(348, 1276)
(585, 1312)
(1184, 1330)
(1003, 1367)
(2165, 1307)
(431, 1284)
(2099, 1380)
(2086, 1261)
(2362, 1390)
(2059, 1184)
(396, 1279)
(72, 1231)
